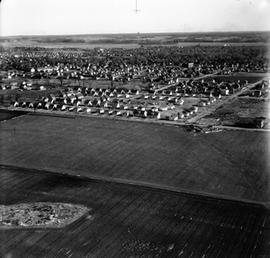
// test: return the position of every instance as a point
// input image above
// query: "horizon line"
(134, 33)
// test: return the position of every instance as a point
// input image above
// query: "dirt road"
(210, 109)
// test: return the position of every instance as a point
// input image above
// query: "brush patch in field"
(40, 214)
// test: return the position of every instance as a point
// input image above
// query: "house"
(186, 113)
(40, 105)
(171, 99)
(225, 91)
(63, 108)
(14, 85)
(55, 107)
(80, 109)
(146, 97)
(130, 113)
(52, 98)
(257, 93)
(47, 105)
(94, 110)
(163, 116)
(98, 103)
(179, 101)
(195, 109)
(71, 109)
(72, 99)
(80, 96)
(144, 115)
(181, 116)
(110, 112)
(119, 113)
(163, 108)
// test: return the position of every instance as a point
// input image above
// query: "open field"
(135, 40)
(242, 107)
(6, 115)
(234, 77)
(131, 221)
(51, 45)
(230, 163)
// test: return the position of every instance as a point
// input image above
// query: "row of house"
(117, 110)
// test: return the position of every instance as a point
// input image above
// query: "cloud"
(264, 4)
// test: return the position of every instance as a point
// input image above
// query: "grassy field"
(230, 163)
(250, 77)
(131, 221)
(242, 107)
(6, 115)
(75, 45)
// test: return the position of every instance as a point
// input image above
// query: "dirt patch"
(41, 214)
(139, 247)
(230, 113)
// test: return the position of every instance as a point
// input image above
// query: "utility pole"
(136, 11)
(136, 7)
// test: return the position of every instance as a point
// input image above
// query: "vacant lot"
(6, 115)
(234, 77)
(231, 163)
(242, 107)
(131, 221)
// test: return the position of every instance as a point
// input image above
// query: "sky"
(52, 17)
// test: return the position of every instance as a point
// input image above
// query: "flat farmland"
(234, 164)
(134, 40)
(130, 221)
